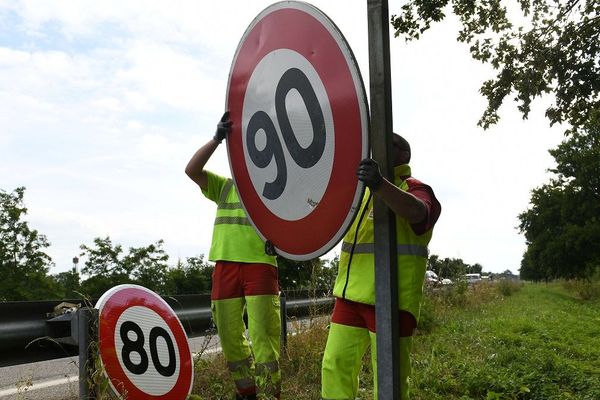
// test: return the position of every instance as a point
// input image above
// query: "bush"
(584, 289)
(507, 287)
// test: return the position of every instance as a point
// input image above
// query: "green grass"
(493, 342)
(541, 342)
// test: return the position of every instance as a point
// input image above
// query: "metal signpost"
(386, 274)
(300, 128)
(143, 346)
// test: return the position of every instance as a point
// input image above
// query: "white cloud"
(168, 76)
(103, 103)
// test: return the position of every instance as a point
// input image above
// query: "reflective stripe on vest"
(232, 221)
(401, 249)
(355, 280)
(225, 192)
(222, 205)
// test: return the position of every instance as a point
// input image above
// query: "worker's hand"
(270, 248)
(368, 172)
(223, 128)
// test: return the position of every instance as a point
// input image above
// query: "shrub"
(584, 289)
(507, 287)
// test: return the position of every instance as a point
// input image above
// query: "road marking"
(75, 378)
(39, 385)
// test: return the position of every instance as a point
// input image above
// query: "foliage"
(23, 263)
(437, 303)
(489, 348)
(211, 379)
(562, 224)
(555, 50)
(585, 289)
(498, 351)
(452, 268)
(108, 266)
(507, 287)
(190, 277)
(315, 274)
(68, 282)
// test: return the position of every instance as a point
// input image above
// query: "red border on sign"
(111, 311)
(299, 31)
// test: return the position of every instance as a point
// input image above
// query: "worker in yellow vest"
(245, 277)
(352, 326)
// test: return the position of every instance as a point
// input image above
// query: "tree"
(310, 274)
(104, 266)
(556, 51)
(190, 277)
(68, 283)
(149, 266)
(24, 265)
(453, 268)
(108, 266)
(562, 224)
(474, 269)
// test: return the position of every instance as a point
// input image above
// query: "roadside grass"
(496, 341)
(541, 342)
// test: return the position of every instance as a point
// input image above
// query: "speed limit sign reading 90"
(143, 346)
(300, 128)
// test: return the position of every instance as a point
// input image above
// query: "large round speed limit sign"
(143, 346)
(300, 129)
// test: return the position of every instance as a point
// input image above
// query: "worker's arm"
(402, 203)
(195, 167)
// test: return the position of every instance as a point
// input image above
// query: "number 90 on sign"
(288, 137)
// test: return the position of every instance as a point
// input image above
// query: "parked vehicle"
(447, 281)
(431, 278)
(473, 278)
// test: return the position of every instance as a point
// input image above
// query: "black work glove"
(368, 172)
(223, 128)
(270, 248)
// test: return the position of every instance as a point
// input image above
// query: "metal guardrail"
(29, 332)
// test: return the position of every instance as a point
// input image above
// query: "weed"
(538, 342)
(507, 287)
(586, 290)
(23, 386)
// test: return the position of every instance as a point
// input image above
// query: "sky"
(102, 104)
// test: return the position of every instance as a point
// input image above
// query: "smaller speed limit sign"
(300, 129)
(143, 346)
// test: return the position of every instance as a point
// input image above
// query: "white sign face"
(147, 350)
(292, 185)
(299, 129)
(143, 346)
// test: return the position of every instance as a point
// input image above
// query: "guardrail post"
(283, 315)
(86, 332)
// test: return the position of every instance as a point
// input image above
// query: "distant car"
(473, 278)
(447, 281)
(431, 278)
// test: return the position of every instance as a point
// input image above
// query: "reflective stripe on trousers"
(264, 327)
(242, 373)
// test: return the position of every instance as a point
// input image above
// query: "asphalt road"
(59, 379)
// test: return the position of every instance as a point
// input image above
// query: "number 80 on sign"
(143, 346)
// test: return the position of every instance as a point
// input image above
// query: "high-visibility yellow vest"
(234, 238)
(356, 282)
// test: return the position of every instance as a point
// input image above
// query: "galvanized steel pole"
(283, 318)
(386, 274)
(86, 328)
